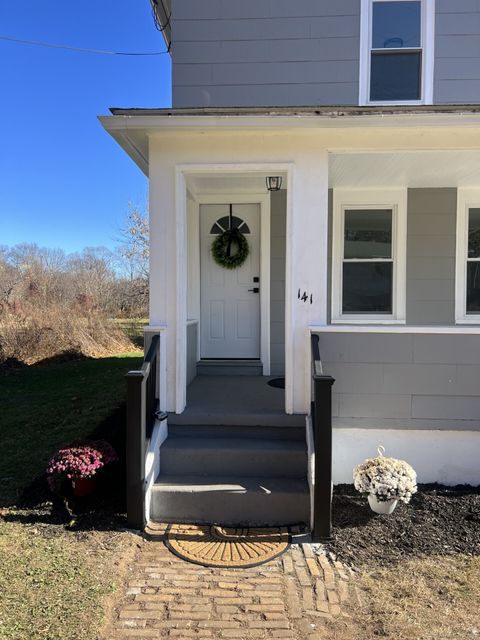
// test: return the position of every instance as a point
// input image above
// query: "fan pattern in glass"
(223, 224)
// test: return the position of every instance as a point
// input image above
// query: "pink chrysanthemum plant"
(385, 478)
(79, 460)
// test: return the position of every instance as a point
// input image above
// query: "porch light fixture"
(274, 183)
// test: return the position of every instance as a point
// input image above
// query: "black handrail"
(322, 444)
(142, 405)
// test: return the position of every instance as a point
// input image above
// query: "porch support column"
(168, 272)
(307, 271)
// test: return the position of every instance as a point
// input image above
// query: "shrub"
(34, 334)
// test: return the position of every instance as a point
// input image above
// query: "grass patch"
(54, 582)
(55, 588)
(133, 328)
(46, 405)
(420, 599)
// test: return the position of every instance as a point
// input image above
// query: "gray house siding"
(457, 52)
(302, 53)
(431, 231)
(278, 225)
(265, 52)
(407, 381)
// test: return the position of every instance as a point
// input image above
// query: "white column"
(307, 270)
(168, 271)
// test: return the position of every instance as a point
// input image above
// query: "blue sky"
(64, 182)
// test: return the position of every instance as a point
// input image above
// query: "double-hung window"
(467, 299)
(369, 246)
(397, 52)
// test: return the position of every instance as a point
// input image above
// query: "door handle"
(255, 289)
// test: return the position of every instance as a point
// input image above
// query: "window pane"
(474, 233)
(396, 25)
(395, 76)
(368, 233)
(473, 287)
(367, 287)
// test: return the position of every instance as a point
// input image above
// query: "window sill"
(473, 320)
(394, 103)
(355, 320)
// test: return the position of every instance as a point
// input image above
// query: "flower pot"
(83, 487)
(381, 506)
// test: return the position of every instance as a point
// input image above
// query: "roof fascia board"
(135, 145)
(153, 123)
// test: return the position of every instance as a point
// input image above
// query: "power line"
(50, 45)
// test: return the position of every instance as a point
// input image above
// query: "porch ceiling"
(405, 169)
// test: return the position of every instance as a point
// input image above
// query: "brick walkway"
(297, 596)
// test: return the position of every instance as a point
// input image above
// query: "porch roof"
(133, 128)
(322, 111)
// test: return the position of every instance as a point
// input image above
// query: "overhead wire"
(67, 47)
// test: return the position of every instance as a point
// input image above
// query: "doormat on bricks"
(227, 547)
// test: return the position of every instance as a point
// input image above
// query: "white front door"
(230, 311)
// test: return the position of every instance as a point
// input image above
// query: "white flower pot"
(384, 507)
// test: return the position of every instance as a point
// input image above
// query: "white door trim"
(263, 200)
(269, 168)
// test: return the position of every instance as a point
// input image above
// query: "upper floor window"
(397, 52)
(467, 297)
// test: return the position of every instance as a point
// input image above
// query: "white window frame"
(466, 199)
(427, 47)
(396, 200)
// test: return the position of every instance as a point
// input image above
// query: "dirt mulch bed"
(438, 521)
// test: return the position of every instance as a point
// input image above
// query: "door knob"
(255, 289)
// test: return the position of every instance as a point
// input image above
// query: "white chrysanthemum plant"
(385, 480)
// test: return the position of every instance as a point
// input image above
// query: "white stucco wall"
(307, 217)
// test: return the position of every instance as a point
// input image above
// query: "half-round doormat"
(278, 383)
(234, 548)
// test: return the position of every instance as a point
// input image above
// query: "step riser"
(218, 462)
(237, 431)
(230, 508)
(226, 370)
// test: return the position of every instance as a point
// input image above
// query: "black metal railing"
(322, 445)
(142, 406)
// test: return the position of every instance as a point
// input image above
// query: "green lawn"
(54, 581)
(47, 405)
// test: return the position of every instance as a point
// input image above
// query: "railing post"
(322, 439)
(322, 433)
(135, 450)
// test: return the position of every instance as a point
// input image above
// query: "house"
(366, 114)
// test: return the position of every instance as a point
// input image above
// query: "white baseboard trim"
(152, 461)
(447, 457)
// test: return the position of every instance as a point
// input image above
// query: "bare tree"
(134, 254)
(135, 247)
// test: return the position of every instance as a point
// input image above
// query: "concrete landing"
(235, 400)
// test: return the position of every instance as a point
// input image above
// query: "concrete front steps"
(227, 367)
(232, 476)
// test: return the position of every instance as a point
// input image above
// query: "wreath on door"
(230, 249)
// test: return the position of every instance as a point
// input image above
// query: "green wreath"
(222, 249)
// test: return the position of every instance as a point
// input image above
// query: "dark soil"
(438, 521)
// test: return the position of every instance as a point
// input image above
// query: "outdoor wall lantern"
(274, 183)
